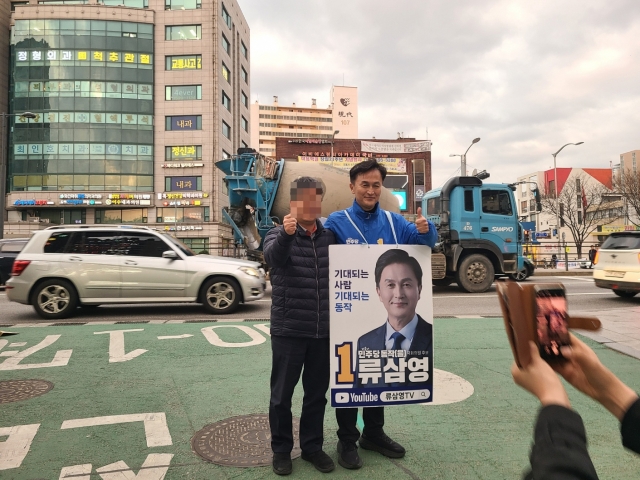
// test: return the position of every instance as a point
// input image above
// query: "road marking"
(77, 472)
(169, 337)
(60, 359)
(116, 346)
(154, 468)
(15, 448)
(155, 425)
(213, 338)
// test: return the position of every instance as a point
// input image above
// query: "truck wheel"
(54, 299)
(521, 275)
(442, 282)
(221, 295)
(475, 274)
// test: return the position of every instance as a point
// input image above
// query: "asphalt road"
(583, 296)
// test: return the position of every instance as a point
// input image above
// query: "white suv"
(618, 264)
(64, 267)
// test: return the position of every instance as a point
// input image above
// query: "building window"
(117, 3)
(183, 62)
(182, 4)
(226, 154)
(226, 45)
(182, 184)
(245, 124)
(183, 92)
(243, 50)
(245, 99)
(226, 129)
(245, 75)
(128, 215)
(226, 73)
(198, 245)
(226, 101)
(183, 32)
(226, 17)
(183, 122)
(244, 144)
(182, 215)
(183, 153)
(17, 4)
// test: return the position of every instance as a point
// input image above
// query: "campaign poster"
(381, 325)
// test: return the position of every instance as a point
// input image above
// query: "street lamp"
(463, 158)
(3, 163)
(555, 184)
(333, 136)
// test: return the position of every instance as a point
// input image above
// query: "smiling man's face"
(399, 292)
(367, 189)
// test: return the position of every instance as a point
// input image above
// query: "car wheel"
(442, 282)
(625, 293)
(475, 274)
(54, 299)
(521, 275)
(221, 295)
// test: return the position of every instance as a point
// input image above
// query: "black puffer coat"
(300, 281)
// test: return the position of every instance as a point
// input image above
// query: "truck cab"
(478, 229)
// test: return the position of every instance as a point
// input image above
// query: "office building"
(269, 122)
(134, 101)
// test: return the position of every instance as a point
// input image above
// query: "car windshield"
(622, 242)
(183, 248)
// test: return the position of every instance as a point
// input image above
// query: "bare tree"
(581, 206)
(627, 183)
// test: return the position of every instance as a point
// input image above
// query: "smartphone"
(552, 329)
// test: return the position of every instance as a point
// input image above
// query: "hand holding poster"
(381, 356)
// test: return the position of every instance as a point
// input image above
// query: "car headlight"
(250, 271)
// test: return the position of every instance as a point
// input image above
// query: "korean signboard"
(393, 165)
(380, 356)
(186, 122)
(180, 184)
(396, 147)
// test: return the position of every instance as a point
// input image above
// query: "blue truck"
(479, 235)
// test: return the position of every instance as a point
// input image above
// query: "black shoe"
(348, 455)
(381, 443)
(282, 463)
(320, 460)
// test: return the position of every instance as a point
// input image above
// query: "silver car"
(64, 267)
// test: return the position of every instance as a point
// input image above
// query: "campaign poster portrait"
(381, 335)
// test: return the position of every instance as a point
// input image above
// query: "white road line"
(170, 337)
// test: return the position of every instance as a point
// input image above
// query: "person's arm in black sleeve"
(277, 246)
(630, 427)
(560, 448)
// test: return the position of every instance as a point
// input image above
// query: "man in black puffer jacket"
(298, 253)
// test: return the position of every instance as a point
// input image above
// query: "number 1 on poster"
(345, 367)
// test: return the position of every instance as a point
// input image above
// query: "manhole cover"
(243, 441)
(17, 390)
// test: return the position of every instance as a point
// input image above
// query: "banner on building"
(393, 165)
(399, 147)
(607, 229)
(380, 356)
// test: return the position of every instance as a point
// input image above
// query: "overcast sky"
(526, 77)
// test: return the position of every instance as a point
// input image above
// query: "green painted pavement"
(194, 383)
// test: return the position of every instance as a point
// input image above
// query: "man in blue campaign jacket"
(366, 223)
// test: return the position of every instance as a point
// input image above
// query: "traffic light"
(527, 236)
(536, 195)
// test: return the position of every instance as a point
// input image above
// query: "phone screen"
(552, 324)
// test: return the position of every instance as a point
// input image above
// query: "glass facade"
(90, 85)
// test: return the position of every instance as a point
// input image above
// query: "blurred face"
(307, 206)
(399, 292)
(367, 189)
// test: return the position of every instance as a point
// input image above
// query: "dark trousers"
(348, 417)
(290, 355)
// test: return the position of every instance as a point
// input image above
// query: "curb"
(563, 273)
